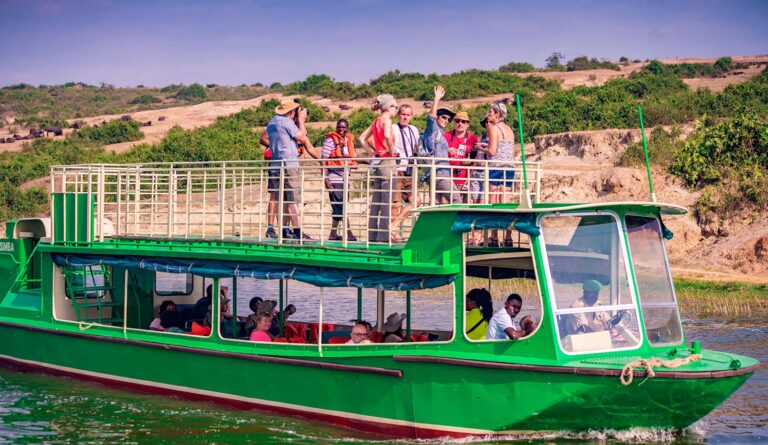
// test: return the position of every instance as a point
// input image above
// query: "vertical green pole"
(407, 316)
(359, 303)
(233, 302)
(645, 151)
(282, 321)
(522, 140)
(216, 308)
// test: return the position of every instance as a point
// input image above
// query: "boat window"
(167, 284)
(497, 276)
(592, 299)
(654, 282)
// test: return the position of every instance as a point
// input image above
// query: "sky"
(231, 42)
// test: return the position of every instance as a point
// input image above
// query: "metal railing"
(372, 204)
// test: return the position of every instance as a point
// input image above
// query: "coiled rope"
(628, 373)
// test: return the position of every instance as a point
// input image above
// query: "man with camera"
(286, 133)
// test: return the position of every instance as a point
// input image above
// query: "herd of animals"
(35, 133)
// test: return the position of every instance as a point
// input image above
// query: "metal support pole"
(359, 303)
(282, 306)
(233, 302)
(645, 151)
(407, 316)
(379, 309)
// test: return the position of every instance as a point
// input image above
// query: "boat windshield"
(591, 297)
(654, 282)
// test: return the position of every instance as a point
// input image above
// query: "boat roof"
(662, 208)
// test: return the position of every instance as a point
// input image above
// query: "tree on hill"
(555, 61)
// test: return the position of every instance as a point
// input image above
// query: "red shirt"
(379, 136)
(464, 146)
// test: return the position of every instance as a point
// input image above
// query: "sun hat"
(462, 115)
(384, 101)
(442, 111)
(286, 106)
(592, 286)
(266, 307)
(394, 322)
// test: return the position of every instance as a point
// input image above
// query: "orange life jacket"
(338, 152)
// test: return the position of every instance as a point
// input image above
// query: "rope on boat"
(628, 374)
(85, 326)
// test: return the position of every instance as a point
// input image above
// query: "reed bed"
(729, 300)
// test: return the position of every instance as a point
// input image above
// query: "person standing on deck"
(284, 137)
(406, 144)
(378, 140)
(435, 145)
(339, 150)
(460, 142)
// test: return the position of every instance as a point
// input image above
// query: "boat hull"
(396, 396)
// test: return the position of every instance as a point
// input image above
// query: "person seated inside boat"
(167, 305)
(587, 321)
(479, 312)
(264, 316)
(503, 324)
(392, 329)
(250, 321)
(202, 305)
(360, 334)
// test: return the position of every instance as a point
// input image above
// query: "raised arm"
(439, 94)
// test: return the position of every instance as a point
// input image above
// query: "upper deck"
(230, 201)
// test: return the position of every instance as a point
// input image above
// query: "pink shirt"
(260, 336)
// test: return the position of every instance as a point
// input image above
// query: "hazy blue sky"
(155, 43)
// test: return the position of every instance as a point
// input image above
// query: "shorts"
(292, 186)
(446, 189)
(273, 181)
(403, 190)
(336, 196)
(508, 174)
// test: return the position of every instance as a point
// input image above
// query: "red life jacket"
(338, 151)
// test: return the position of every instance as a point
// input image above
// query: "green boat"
(79, 290)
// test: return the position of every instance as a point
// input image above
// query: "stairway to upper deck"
(237, 201)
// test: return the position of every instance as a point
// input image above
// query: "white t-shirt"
(406, 144)
(499, 322)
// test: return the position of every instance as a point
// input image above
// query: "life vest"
(337, 154)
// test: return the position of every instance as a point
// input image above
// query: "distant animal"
(2, 140)
(126, 118)
(427, 104)
(36, 133)
(104, 122)
(161, 118)
(95, 125)
(55, 130)
(75, 126)
(16, 136)
(327, 109)
(146, 124)
(344, 107)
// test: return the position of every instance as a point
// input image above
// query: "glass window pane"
(654, 285)
(173, 283)
(593, 303)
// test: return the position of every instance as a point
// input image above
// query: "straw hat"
(286, 106)
(462, 115)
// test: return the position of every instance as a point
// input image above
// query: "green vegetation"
(112, 133)
(729, 160)
(585, 63)
(144, 99)
(517, 67)
(723, 299)
(663, 147)
(462, 85)
(52, 105)
(192, 93)
(691, 70)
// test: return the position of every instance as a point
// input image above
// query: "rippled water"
(37, 408)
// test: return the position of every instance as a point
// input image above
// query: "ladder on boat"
(90, 290)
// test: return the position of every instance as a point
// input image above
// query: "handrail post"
(100, 203)
(222, 196)
(525, 199)
(280, 203)
(345, 207)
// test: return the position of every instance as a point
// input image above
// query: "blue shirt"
(434, 145)
(281, 132)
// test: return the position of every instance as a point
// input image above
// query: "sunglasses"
(444, 116)
(460, 121)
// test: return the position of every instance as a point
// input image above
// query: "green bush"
(517, 67)
(662, 148)
(584, 63)
(191, 93)
(16, 203)
(112, 132)
(145, 99)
